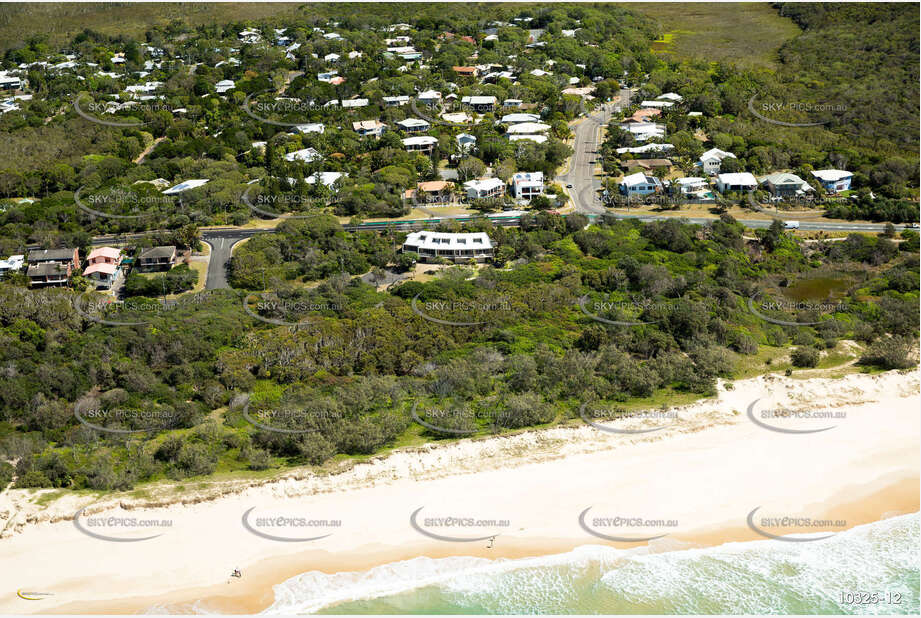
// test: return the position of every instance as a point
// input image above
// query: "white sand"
(707, 471)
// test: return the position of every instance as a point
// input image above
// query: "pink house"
(103, 266)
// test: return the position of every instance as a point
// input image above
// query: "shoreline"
(865, 470)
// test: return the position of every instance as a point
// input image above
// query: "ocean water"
(774, 577)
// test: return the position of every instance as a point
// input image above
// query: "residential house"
(527, 128)
(465, 141)
(373, 128)
(670, 96)
(644, 131)
(49, 274)
(656, 104)
(519, 117)
(354, 103)
(12, 264)
(458, 247)
(512, 103)
(784, 184)
(431, 193)
(540, 139)
(484, 188)
(157, 258)
(185, 186)
(690, 184)
(645, 149)
(68, 256)
(739, 181)
(645, 165)
(429, 97)
(710, 161)
(481, 104)
(104, 266)
(328, 179)
(396, 101)
(305, 155)
(327, 76)
(834, 181)
(311, 127)
(224, 85)
(414, 125)
(639, 184)
(465, 71)
(420, 143)
(526, 185)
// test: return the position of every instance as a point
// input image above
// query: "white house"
(185, 186)
(11, 264)
(785, 184)
(670, 96)
(420, 143)
(465, 141)
(312, 127)
(224, 85)
(640, 184)
(644, 131)
(327, 76)
(414, 125)
(691, 184)
(519, 117)
(305, 155)
(350, 103)
(540, 139)
(429, 97)
(711, 160)
(526, 185)
(529, 128)
(453, 246)
(480, 103)
(484, 188)
(396, 101)
(327, 178)
(645, 148)
(739, 181)
(834, 181)
(656, 104)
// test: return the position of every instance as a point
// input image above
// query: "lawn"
(745, 33)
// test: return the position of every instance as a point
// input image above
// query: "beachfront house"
(458, 247)
(640, 184)
(157, 258)
(710, 161)
(413, 125)
(480, 104)
(834, 181)
(465, 141)
(420, 143)
(784, 184)
(526, 185)
(431, 193)
(484, 188)
(738, 181)
(103, 267)
(369, 128)
(12, 264)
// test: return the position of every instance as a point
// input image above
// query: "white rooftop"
(185, 186)
(448, 240)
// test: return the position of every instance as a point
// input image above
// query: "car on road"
(791, 225)
(569, 186)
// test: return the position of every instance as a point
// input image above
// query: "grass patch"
(744, 34)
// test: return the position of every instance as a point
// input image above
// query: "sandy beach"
(696, 481)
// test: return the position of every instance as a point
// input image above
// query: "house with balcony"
(640, 184)
(784, 184)
(369, 128)
(420, 143)
(480, 104)
(738, 181)
(55, 256)
(710, 161)
(526, 185)
(12, 264)
(834, 181)
(484, 188)
(49, 274)
(157, 258)
(413, 125)
(103, 267)
(457, 247)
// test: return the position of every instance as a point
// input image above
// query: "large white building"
(526, 185)
(484, 188)
(459, 247)
(711, 160)
(740, 181)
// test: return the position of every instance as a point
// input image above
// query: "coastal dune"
(845, 451)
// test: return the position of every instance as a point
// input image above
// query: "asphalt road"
(222, 242)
